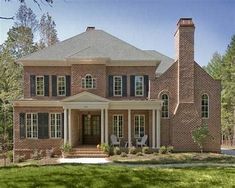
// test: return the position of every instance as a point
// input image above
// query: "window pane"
(139, 85)
(40, 85)
(61, 84)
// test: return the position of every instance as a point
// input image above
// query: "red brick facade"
(184, 82)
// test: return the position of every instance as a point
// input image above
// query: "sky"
(146, 24)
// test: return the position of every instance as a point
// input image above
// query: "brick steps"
(86, 152)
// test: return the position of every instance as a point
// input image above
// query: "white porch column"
(65, 125)
(129, 128)
(102, 126)
(106, 126)
(158, 129)
(69, 127)
(153, 128)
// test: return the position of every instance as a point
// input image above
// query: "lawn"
(115, 176)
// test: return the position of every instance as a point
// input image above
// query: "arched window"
(205, 106)
(88, 82)
(165, 106)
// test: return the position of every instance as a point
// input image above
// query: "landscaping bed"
(174, 158)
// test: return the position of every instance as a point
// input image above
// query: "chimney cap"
(89, 28)
(185, 22)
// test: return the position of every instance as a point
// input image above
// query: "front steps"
(86, 152)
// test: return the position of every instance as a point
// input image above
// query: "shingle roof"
(91, 44)
(166, 61)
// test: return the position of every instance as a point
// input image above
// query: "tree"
(48, 32)
(25, 17)
(200, 135)
(223, 68)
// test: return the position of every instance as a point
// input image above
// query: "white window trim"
(31, 125)
(64, 85)
(139, 124)
(114, 86)
(167, 105)
(142, 86)
(37, 86)
(55, 126)
(92, 82)
(122, 124)
(207, 105)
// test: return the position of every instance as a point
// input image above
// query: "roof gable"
(85, 97)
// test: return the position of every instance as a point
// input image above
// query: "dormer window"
(88, 82)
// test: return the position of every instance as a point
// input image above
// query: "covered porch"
(88, 119)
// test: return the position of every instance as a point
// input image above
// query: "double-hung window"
(40, 85)
(139, 86)
(61, 85)
(55, 125)
(117, 85)
(205, 106)
(32, 125)
(118, 125)
(139, 125)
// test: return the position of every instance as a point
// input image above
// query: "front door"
(91, 129)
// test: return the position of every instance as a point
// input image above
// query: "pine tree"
(48, 32)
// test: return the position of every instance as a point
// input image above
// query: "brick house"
(84, 89)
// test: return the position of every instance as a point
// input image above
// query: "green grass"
(175, 158)
(115, 176)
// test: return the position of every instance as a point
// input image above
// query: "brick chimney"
(184, 45)
(90, 28)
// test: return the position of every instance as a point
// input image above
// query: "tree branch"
(7, 18)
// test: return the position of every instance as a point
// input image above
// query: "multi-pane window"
(40, 85)
(55, 125)
(139, 125)
(32, 125)
(165, 106)
(205, 106)
(117, 85)
(88, 82)
(61, 85)
(139, 85)
(118, 125)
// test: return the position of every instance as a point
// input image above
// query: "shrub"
(123, 154)
(66, 147)
(162, 150)
(146, 150)
(107, 149)
(117, 151)
(50, 153)
(139, 154)
(10, 155)
(132, 150)
(169, 149)
(37, 155)
(19, 158)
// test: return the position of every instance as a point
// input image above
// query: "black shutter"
(46, 85)
(62, 127)
(54, 85)
(132, 85)
(146, 85)
(68, 85)
(22, 126)
(124, 86)
(32, 85)
(43, 127)
(110, 86)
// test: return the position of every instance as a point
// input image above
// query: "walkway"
(84, 160)
(228, 151)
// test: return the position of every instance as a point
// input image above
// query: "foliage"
(66, 147)
(146, 150)
(10, 155)
(162, 150)
(123, 154)
(117, 151)
(37, 155)
(139, 154)
(20, 158)
(48, 33)
(223, 67)
(169, 149)
(50, 153)
(132, 150)
(200, 135)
